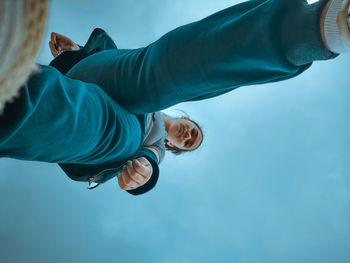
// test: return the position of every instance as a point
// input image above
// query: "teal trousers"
(57, 119)
(254, 42)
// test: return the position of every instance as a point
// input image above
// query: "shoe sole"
(343, 20)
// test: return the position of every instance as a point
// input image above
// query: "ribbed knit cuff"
(336, 29)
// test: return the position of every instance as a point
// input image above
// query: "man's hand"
(60, 43)
(135, 173)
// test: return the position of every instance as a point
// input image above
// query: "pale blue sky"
(271, 183)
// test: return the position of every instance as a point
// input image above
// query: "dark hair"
(175, 150)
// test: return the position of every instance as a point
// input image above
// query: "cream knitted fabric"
(336, 26)
(22, 26)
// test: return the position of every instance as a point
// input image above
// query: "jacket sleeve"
(104, 172)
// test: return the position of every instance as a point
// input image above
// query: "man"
(80, 120)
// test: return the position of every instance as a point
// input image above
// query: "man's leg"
(57, 119)
(254, 42)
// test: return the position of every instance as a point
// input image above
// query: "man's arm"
(135, 173)
(153, 160)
